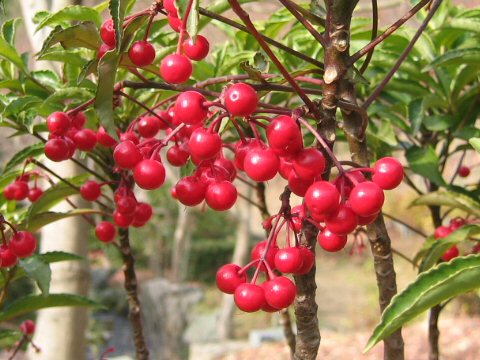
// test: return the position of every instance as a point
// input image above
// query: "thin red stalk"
(374, 35)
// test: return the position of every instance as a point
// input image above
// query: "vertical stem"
(130, 283)
(434, 333)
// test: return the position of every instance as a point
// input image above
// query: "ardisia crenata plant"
(142, 92)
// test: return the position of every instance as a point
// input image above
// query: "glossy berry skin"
(442, 231)
(20, 190)
(463, 171)
(190, 191)
(143, 212)
(367, 220)
(57, 149)
(27, 327)
(104, 138)
(309, 164)
(127, 155)
(298, 185)
(450, 254)
(259, 250)
(149, 174)
(177, 155)
(366, 198)
(85, 139)
(34, 194)
(388, 173)
(241, 150)
(107, 33)
(189, 107)
(142, 53)
(91, 190)
(78, 120)
(23, 244)
(343, 221)
(288, 260)
(176, 69)
(284, 136)
(286, 167)
(228, 278)
(7, 257)
(221, 195)
(9, 192)
(225, 166)
(322, 198)
(59, 123)
(261, 164)
(279, 292)
(308, 261)
(105, 231)
(121, 220)
(241, 99)
(204, 144)
(129, 135)
(103, 49)
(331, 242)
(457, 223)
(196, 50)
(126, 205)
(149, 126)
(249, 297)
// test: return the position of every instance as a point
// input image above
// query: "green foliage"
(206, 257)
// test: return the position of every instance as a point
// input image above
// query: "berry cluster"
(21, 189)
(444, 231)
(22, 244)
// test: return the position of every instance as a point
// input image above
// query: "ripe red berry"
(367, 220)
(299, 212)
(308, 261)
(9, 192)
(190, 108)
(71, 147)
(20, 190)
(249, 297)
(148, 126)
(190, 191)
(388, 173)
(289, 260)
(177, 155)
(23, 244)
(221, 195)
(7, 257)
(366, 198)
(170, 6)
(204, 144)
(27, 327)
(58, 123)
(104, 138)
(284, 136)
(126, 205)
(241, 99)
(143, 213)
(342, 221)
(149, 174)
(175, 23)
(85, 139)
(228, 278)
(322, 198)
(142, 53)
(107, 33)
(121, 220)
(103, 49)
(261, 164)
(176, 68)
(242, 147)
(451, 253)
(196, 49)
(105, 231)
(298, 185)
(309, 163)
(279, 292)
(258, 252)
(57, 149)
(78, 120)
(34, 194)
(127, 155)
(286, 167)
(464, 171)
(456, 223)
(129, 135)
(331, 242)
(91, 190)
(442, 231)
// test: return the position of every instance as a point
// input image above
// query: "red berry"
(58, 123)
(78, 120)
(367, 220)
(175, 23)
(286, 167)
(289, 260)
(127, 155)
(225, 165)
(299, 186)
(71, 147)
(228, 278)
(148, 126)
(34, 194)
(170, 6)
(464, 171)
(322, 198)
(196, 49)
(331, 242)
(190, 191)
(129, 135)
(204, 144)
(121, 220)
(126, 205)
(221, 195)
(456, 223)
(105, 231)
(451, 253)
(261, 164)
(176, 68)
(309, 164)
(342, 221)
(242, 148)
(249, 297)
(23, 244)
(27, 327)
(7, 257)
(142, 53)
(104, 138)
(103, 49)
(178, 155)
(442, 231)
(241, 99)
(91, 190)
(258, 252)
(9, 192)
(57, 149)
(388, 173)
(297, 220)
(143, 213)
(308, 261)
(279, 292)
(284, 136)
(107, 33)
(366, 198)
(149, 174)
(85, 139)
(190, 108)
(20, 190)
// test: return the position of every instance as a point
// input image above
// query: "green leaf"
(475, 142)
(456, 57)
(424, 161)
(440, 246)
(118, 10)
(9, 333)
(31, 303)
(58, 256)
(9, 30)
(415, 114)
(39, 270)
(440, 283)
(439, 122)
(72, 57)
(72, 13)
(34, 223)
(8, 52)
(449, 199)
(87, 69)
(22, 155)
(193, 20)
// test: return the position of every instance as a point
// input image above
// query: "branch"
(374, 35)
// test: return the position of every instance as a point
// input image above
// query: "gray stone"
(257, 337)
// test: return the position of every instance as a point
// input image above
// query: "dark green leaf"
(57, 256)
(22, 155)
(39, 220)
(72, 13)
(39, 270)
(415, 114)
(438, 122)
(456, 57)
(9, 53)
(424, 161)
(9, 30)
(118, 10)
(449, 199)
